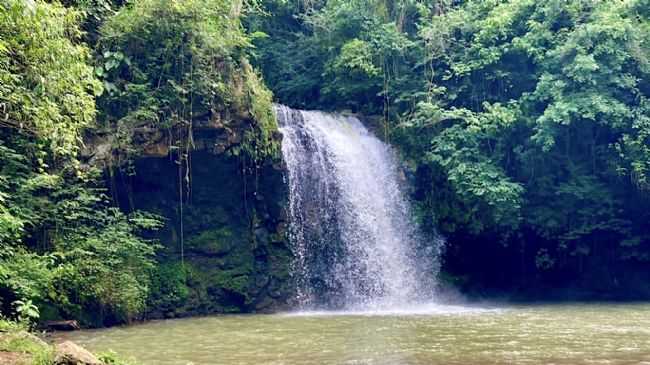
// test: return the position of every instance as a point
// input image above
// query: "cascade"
(355, 243)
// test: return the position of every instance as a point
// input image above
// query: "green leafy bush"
(167, 64)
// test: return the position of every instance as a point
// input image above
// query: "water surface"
(541, 334)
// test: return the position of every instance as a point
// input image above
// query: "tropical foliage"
(526, 122)
(526, 126)
(56, 224)
(64, 248)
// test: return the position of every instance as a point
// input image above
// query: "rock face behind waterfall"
(235, 255)
(332, 219)
(354, 241)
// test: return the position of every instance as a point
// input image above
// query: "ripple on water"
(424, 335)
(416, 310)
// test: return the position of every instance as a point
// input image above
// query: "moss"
(234, 277)
(168, 288)
(235, 251)
(260, 143)
(234, 282)
(14, 338)
(21, 342)
(215, 241)
(11, 326)
(227, 281)
(216, 290)
(279, 260)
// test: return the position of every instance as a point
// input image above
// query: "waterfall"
(354, 240)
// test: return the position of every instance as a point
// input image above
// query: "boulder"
(69, 353)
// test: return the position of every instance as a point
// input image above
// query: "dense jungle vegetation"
(525, 124)
(76, 68)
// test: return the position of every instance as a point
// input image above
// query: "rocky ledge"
(225, 248)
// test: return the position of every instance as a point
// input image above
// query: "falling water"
(355, 243)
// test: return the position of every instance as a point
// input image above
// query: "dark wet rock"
(231, 243)
(232, 211)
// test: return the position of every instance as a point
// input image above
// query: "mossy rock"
(169, 287)
(25, 348)
(235, 254)
(212, 242)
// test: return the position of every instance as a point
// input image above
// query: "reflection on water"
(548, 334)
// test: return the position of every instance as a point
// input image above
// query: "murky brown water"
(541, 334)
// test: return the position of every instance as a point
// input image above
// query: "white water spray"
(355, 243)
